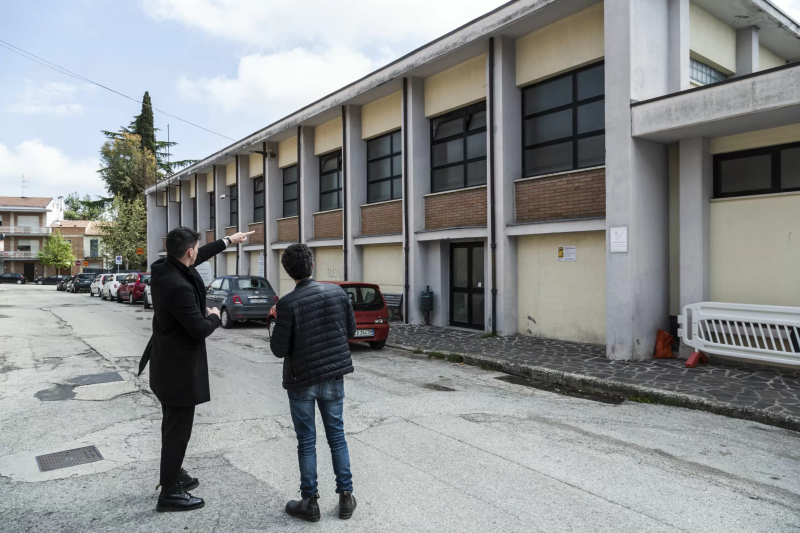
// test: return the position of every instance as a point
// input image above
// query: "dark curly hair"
(298, 261)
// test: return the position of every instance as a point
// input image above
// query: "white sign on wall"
(618, 240)
(567, 253)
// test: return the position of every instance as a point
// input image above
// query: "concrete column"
(637, 191)
(747, 51)
(678, 13)
(156, 228)
(309, 184)
(203, 206)
(695, 190)
(222, 219)
(273, 203)
(508, 167)
(356, 176)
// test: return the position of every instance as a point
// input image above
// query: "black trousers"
(176, 430)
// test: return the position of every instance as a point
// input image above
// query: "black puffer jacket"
(315, 322)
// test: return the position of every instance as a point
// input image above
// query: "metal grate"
(93, 379)
(65, 459)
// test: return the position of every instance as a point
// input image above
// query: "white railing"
(760, 333)
(25, 230)
(18, 255)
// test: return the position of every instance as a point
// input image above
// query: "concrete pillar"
(203, 206)
(678, 22)
(156, 225)
(273, 188)
(222, 206)
(747, 51)
(695, 190)
(507, 167)
(309, 184)
(637, 192)
(356, 176)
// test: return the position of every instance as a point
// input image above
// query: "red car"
(372, 315)
(131, 289)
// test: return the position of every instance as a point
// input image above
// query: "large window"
(761, 171)
(234, 205)
(290, 191)
(703, 74)
(384, 168)
(258, 200)
(212, 212)
(330, 181)
(458, 149)
(564, 122)
(94, 248)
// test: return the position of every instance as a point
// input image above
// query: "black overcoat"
(177, 350)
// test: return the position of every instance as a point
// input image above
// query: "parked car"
(50, 280)
(98, 282)
(240, 298)
(62, 285)
(68, 284)
(109, 290)
(131, 289)
(372, 315)
(147, 300)
(19, 279)
(82, 282)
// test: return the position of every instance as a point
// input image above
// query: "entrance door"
(28, 272)
(467, 285)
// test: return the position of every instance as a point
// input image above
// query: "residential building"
(85, 237)
(25, 223)
(567, 169)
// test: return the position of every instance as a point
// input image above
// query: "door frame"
(469, 290)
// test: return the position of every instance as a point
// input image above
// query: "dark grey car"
(82, 282)
(240, 298)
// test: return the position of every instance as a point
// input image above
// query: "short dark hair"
(298, 261)
(179, 240)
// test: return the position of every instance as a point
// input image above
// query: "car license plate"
(365, 333)
(258, 300)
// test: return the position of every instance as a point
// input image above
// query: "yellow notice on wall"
(567, 253)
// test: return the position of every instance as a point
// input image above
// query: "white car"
(97, 284)
(147, 299)
(109, 290)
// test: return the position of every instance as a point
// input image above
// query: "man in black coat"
(177, 355)
(314, 325)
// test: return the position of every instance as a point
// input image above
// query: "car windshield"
(120, 277)
(364, 298)
(252, 284)
(85, 276)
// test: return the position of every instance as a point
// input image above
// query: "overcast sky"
(232, 66)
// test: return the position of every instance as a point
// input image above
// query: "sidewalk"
(755, 392)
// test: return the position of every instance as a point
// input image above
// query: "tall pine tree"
(143, 125)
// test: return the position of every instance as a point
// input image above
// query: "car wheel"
(130, 299)
(270, 326)
(145, 303)
(225, 318)
(119, 298)
(19, 282)
(377, 345)
(40, 282)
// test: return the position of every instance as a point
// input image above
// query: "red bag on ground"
(664, 342)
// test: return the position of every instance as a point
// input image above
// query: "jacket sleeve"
(204, 253)
(281, 341)
(183, 306)
(351, 319)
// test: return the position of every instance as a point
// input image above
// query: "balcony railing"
(18, 255)
(25, 230)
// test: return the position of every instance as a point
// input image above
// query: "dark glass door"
(28, 271)
(467, 285)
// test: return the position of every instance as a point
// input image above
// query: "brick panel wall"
(382, 219)
(288, 230)
(209, 236)
(328, 225)
(230, 230)
(258, 236)
(457, 208)
(576, 195)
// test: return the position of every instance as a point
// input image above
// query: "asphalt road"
(435, 446)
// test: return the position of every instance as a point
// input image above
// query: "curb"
(580, 381)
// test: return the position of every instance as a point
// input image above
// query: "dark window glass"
(234, 205)
(364, 298)
(212, 211)
(564, 122)
(94, 246)
(258, 200)
(194, 212)
(790, 168)
(330, 183)
(746, 174)
(290, 191)
(768, 170)
(458, 151)
(384, 161)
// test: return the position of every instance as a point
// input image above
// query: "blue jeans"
(329, 395)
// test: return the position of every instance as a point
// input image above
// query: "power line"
(36, 59)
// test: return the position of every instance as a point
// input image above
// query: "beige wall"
(192, 191)
(674, 230)
(383, 266)
(711, 41)
(210, 182)
(564, 45)
(256, 165)
(563, 300)
(254, 263)
(456, 87)
(287, 152)
(768, 59)
(285, 283)
(755, 250)
(328, 263)
(230, 262)
(756, 139)
(174, 194)
(328, 136)
(230, 174)
(381, 116)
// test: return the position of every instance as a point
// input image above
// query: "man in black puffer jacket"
(312, 332)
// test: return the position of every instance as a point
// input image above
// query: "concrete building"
(25, 222)
(85, 238)
(568, 169)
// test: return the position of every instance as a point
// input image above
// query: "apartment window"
(703, 74)
(212, 211)
(458, 149)
(94, 248)
(258, 200)
(564, 122)
(330, 181)
(761, 171)
(233, 195)
(384, 168)
(290, 191)
(23, 247)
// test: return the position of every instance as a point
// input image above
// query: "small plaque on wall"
(567, 253)
(618, 240)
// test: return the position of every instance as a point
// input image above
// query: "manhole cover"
(78, 456)
(93, 379)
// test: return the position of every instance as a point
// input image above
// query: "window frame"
(573, 105)
(775, 170)
(322, 159)
(710, 74)
(465, 134)
(392, 176)
(263, 196)
(296, 182)
(212, 211)
(94, 247)
(233, 205)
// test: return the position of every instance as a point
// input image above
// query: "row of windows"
(762, 171)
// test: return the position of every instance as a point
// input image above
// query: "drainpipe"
(492, 225)
(195, 220)
(266, 208)
(299, 187)
(238, 212)
(344, 192)
(216, 212)
(406, 285)
(180, 203)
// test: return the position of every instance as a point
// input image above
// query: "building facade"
(85, 238)
(25, 222)
(568, 169)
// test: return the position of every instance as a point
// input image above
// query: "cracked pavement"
(435, 446)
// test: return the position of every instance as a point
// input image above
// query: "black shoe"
(187, 482)
(176, 499)
(307, 508)
(347, 504)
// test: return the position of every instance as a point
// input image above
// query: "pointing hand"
(236, 238)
